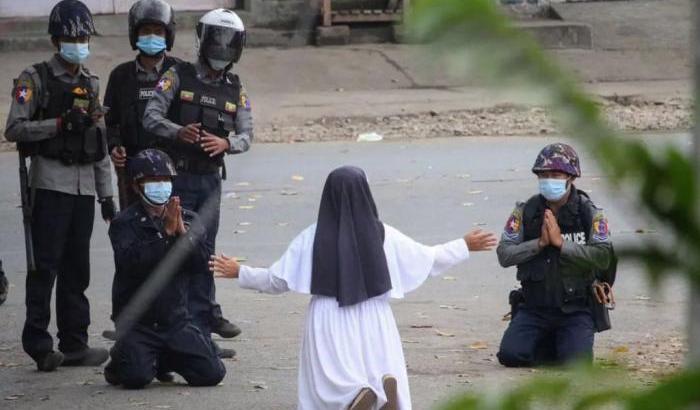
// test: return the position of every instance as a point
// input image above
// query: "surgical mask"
(151, 44)
(218, 65)
(75, 53)
(157, 193)
(552, 189)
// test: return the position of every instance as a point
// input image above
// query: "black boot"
(224, 353)
(91, 356)
(110, 335)
(4, 285)
(50, 362)
(111, 375)
(225, 329)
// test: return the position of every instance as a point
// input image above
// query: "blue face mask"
(552, 189)
(157, 193)
(75, 53)
(151, 44)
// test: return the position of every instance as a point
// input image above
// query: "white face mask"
(218, 65)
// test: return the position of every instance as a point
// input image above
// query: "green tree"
(475, 34)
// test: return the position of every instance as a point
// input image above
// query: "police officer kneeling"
(153, 230)
(559, 241)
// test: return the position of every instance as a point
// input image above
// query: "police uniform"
(185, 95)
(556, 283)
(129, 88)
(67, 172)
(163, 336)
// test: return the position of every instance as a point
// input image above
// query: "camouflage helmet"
(71, 18)
(558, 157)
(151, 163)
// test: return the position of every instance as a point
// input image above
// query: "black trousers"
(184, 349)
(201, 193)
(61, 227)
(547, 336)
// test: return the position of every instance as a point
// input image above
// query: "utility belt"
(197, 166)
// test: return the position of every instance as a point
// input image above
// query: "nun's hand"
(224, 267)
(478, 240)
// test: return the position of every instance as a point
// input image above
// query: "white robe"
(348, 348)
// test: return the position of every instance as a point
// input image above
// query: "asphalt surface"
(433, 190)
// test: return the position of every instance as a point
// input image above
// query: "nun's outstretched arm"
(261, 279)
(448, 255)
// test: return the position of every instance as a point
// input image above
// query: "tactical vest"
(58, 98)
(133, 98)
(546, 281)
(212, 105)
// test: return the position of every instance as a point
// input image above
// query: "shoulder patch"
(24, 91)
(244, 100)
(601, 231)
(166, 81)
(514, 224)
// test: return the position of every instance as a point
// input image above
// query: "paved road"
(433, 190)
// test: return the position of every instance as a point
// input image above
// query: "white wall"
(34, 8)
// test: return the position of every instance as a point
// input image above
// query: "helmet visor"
(222, 43)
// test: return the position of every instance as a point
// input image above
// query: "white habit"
(348, 348)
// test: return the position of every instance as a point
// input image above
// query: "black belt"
(197, 166)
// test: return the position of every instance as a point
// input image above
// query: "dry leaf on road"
(479, 345)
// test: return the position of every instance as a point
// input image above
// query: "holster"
(602, 302)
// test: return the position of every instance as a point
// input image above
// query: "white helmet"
(220, 38)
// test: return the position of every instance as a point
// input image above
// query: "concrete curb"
(30, 33)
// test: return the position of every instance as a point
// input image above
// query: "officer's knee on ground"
(210, 378)
(509, 358)
(136, 383)
(135, 378)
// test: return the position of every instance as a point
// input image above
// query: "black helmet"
(152, 12)
(151, 163)
(220, 36)
(71, 18)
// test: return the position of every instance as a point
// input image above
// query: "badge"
(81, 103)
(23, 93)
(230, 107)
(186, 96)
(514, 224)
(600, 227)
(80, 91)
(245, 102)
(164, 84)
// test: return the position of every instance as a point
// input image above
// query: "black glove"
(76, 121)
(109, 210)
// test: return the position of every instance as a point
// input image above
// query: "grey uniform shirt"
(155, 117)
(52, 174)
(577, 254)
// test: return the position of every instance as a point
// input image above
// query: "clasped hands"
(551, 233)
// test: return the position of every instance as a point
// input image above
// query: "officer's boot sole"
(391, 390)
(50, 362)
(365, 400)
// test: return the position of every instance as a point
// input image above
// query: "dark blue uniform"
(554, 322)
(163, 336)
